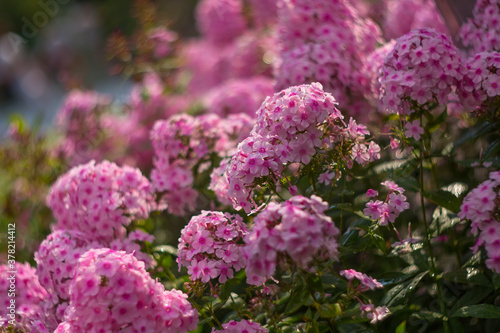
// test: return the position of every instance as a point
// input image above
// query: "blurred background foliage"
(40, 62)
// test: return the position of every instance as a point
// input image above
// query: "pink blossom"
(218, 254)
(135, 299)
(479, 206)
(240, 327)
(29, 295)
(298, 228)
(413, 129)
(326, 177)
(424, 66)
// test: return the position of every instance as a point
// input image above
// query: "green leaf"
(443, 218)
(314, 283)
(167, 261)
(408, 183)
(350, 237)
(474, 133)
(379, 242)
(478, 311)
(468, 275)
(492, 149)
(428, 316)
(390, 278)
(298, 298)
(225, 292)
(329, 310)
(436, 122)
(399, 293)
(401, 327)
(473, 296)
(341, 206)
(496, 281)
(473, 261)
(444, 199)
(166, 249)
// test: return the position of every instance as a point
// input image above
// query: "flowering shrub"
(57, 259)
(262, 176)
(25, 311)
(481, 31)
(317, 46)
(82, 120)
(294, 126)
(480, 206)
(184, 145)
(296, 229)
(481, 85)
(424, 66)
(209, 246)
(111, 290)
(99, 200)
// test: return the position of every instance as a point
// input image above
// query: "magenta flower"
(479, 206)
(413, 129)
(128, 297)
(209, 246)
(298, 228)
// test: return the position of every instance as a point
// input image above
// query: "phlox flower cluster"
(374, 63)
(111, 291)
(84, 126)
(80, 104)
(239, 96)
(241, 326)
(365, 282)
(147, 103)
(211, 65)
(57, 259)
(29, 295)
(291, 127)
(423, 67)
(481, 81)
(481, 207)
(264, 11)
(402, 16)
(388, 210)
(227, 49)
(325, 41)
(220, 21)
(297, 229)
(182, 142)
(99, 200)
(482, 31)
(219, 183)
(210, 246)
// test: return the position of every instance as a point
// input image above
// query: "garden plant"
(300, 166)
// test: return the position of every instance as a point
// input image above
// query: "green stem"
(428, 241)
(342, 207)
(213, 315)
